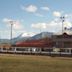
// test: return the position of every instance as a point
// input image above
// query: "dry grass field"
(32, 63)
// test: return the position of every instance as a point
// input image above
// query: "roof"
(64, 35)
(35, 43)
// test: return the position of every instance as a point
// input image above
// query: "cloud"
(52, 26)
(57, 13)
(45, 8)
(39, 26)
(16, 23)
(7, 20)
(66, 15)
(67, 24)
(39, 15)
(35, 10)
(30, 8)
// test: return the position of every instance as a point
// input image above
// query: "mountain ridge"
(21, 38)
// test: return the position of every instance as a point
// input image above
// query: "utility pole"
(63, 20)
(11, 22)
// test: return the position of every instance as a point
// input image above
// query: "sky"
(30, 17)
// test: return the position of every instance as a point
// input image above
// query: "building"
(62, 41)
(5, 47)
(56, 45)
(62, 44)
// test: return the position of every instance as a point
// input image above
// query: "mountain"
(19, 38)
(4, 41)
(42, 35)
(25, 38)
(35, 37)
(14, 40)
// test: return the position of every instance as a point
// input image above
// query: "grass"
(28, 63)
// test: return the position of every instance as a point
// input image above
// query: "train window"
(10, 49)
(21, 49)
(4, 49)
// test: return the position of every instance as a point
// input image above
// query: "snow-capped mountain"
(22, 37)
(35, 37)
(42, 35)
